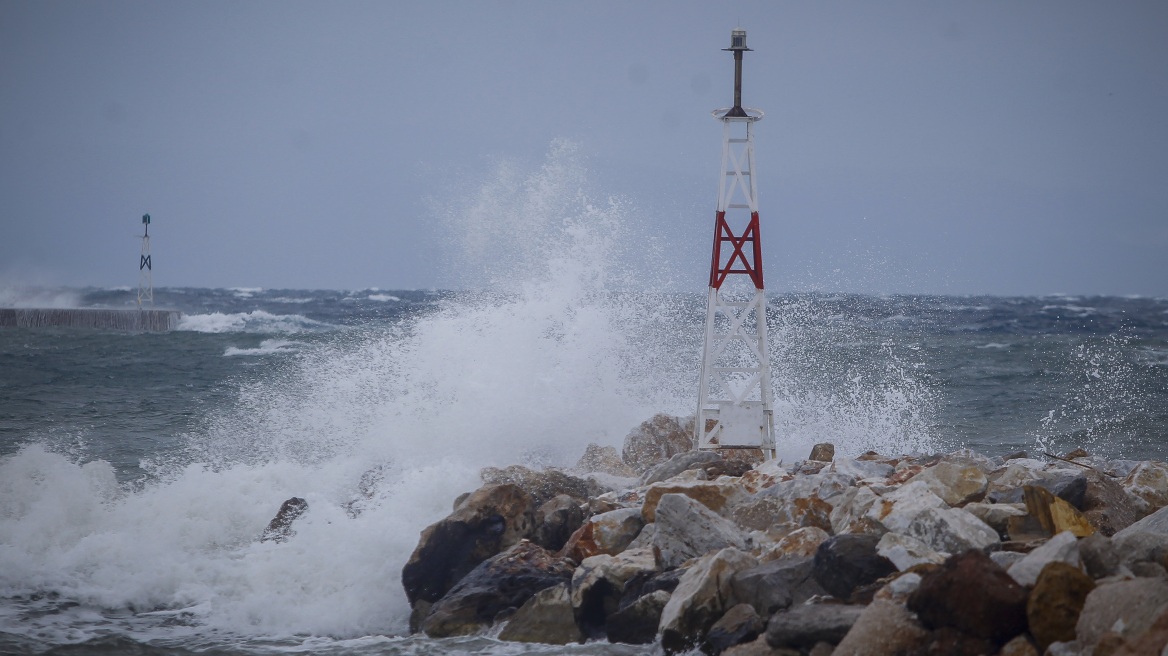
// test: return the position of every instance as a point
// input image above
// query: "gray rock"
(542, 485)
(599, 583)
(1099, 556)
(951, 530)
(740, 624)
(1126, 607)
(1070, 486)
(1005, 559)
(604, 533)
(545, 618)
(884, 628)
(687, 529)
(280, 528)
(767, 587)
(702, 596)
(1154, 523)
(861, 469)
(803, 626)
(826, 486)
(849, 514)
(996, 515)
(637, 623)
(906, 551)
(504, 581)
(491, 519)
(657, 440)
(1141, 547)
(846, 562)
(647, 583)
(678, 464)
(956, 483)
(1063, 547)
(823, 452)
(556, 521)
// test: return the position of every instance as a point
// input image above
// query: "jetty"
(133, 320)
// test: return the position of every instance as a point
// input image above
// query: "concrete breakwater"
(97, 318)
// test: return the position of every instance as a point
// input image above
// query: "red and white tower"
(734, 401)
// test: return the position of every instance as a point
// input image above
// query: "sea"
(138, 470)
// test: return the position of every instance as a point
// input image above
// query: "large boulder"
(1125, 607)
(778, 584)
(846, 562)
(702, 596)
(657, 440)
(490, 520)
(1099, 556)
(1148, 483)
(951, 530)
(598, 585)
(505, 581)
(280, 528)
(1063, 547)
(860, 469)
(803, 627)
(850, 512)
(687, 529)
(762, 513)
(542, 485)
(956, 483)
(740, 624)
(906, 551)
(603, 460)
(607, 533)
(1135, 547)
(996, 515)
(803, 541)
(1055, 602)
(766, 587)
(884, 628)
(545, 618)
(637, 622)
(719, 496)
(556, 521)
(1156, 522)
(827, 486)
(1107, 505)
(681, 462)
(896, 510)
(973, 595)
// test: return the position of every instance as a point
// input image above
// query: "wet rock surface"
(280, 528)
(505, 581)
(852, 554)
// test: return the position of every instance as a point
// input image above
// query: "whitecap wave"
(266, 347)
(245, 292)
(256, 321)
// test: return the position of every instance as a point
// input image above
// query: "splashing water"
(550, 351)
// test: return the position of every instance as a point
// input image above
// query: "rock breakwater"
(879, 554)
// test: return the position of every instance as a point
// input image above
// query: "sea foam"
(552, 351)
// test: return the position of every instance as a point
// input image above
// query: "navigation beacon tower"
(734, 401)
(145, 281)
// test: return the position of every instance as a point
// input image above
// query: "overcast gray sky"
(958, 147)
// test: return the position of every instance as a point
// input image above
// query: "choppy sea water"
(138, 470)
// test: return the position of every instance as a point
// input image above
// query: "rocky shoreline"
(881, 554)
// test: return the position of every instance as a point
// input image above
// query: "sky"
(991, 147)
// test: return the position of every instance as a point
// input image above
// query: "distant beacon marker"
(145, 266)
(734, 397)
